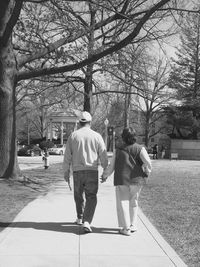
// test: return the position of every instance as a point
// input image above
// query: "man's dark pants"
(85, 182)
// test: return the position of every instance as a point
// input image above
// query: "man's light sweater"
(84, 149)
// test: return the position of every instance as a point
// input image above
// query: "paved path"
(44, 235)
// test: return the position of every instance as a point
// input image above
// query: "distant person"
(84, 149)
(155, 151)
(131, 165)
(163, 151)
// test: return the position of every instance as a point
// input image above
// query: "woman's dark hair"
(129, 136)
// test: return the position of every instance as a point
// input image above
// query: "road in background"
(36, 162)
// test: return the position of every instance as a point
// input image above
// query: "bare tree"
(136, 18)
(154, 95)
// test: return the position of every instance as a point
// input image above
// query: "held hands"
(103, 179)
(70, 188)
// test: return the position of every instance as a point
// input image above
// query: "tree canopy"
(185, 73)
(60, 29)
(48, 37)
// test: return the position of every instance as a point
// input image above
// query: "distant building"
(61, 124)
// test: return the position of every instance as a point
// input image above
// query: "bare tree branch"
(95, 57)
(66, 40)
(11, 22)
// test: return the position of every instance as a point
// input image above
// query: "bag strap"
(130, 156)
(133, 160)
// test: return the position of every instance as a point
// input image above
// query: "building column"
(106, 122)
(61, 133)
(75, 125)
(51, 130)
(47, 130)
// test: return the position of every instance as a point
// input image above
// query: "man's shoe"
(124, 231)
(133, 229)
(79, 221)
(86, 227)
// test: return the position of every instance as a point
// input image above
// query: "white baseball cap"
(85, 117)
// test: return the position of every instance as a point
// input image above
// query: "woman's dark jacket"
(128, 166)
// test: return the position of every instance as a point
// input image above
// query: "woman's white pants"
(127, 205)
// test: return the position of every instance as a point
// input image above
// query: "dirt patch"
(15, 195)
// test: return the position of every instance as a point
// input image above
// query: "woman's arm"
(109, 170)
(146, 160)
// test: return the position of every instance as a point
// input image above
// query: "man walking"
(155, 151)
(84, 149)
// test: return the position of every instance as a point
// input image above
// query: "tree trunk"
(8, 159)
(195, 128)
(89, 70)
(127, 106)
(146, 137)
(147, 129)
(195, 134)
(88, 88)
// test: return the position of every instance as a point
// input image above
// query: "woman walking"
(131, 165)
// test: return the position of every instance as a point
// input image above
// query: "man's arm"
(110, 168)
(102, 152)
(67, 161)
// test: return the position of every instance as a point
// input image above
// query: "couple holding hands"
(131, 166)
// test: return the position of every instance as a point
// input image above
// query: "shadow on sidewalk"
(105, 230)
(67, 227)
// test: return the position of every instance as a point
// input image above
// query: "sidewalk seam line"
(79, 249)
(158, 242)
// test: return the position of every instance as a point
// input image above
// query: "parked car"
(57, 150)
(31, 150)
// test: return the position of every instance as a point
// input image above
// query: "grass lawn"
(171, 201)
(14, 196)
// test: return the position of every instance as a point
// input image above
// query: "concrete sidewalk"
(44, 235)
